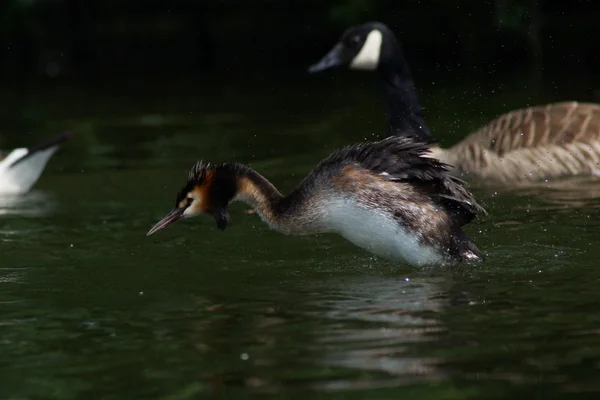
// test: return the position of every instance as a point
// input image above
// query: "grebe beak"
(331, 59)
(172, 216)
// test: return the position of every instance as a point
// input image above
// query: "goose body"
(541, 142)
(20, 168)
(530, 144)
(386, 197)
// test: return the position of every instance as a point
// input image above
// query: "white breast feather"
(380, 234)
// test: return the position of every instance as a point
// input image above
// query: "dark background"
(99, 39)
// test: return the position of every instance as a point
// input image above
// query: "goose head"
(365, 47)
(374, 47)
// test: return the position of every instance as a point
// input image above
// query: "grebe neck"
(260, 194)
(286, 214)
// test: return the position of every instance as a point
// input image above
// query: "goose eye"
(355, 40)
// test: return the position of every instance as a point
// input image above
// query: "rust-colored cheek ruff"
(203, 201)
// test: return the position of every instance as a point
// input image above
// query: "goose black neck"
(405, 111)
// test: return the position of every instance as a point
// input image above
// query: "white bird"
(20, 168)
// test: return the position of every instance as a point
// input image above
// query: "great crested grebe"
(529, 144)
(20, 168)
(386, 197)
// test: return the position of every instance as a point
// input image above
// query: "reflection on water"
(33, 204)
(373, 324)
(334, 331)
(575, 192)
(12, 275)
(567, 193)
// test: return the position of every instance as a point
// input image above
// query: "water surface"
(92, 308)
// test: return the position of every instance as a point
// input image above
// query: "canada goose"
(534, 143)
(385, 197)
(20, 168)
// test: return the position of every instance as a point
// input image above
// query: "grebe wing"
(402, 159)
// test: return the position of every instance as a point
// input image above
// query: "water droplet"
(52, 70)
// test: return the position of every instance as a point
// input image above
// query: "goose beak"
(174, 215)
(331, 60)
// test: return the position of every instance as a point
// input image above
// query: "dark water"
(92, 308)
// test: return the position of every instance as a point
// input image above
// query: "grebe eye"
(186, 202)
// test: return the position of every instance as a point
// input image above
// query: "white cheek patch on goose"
(368, 56)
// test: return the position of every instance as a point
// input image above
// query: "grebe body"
(386, 197)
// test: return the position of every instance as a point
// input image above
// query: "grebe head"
(209, 190)
(362, 47)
